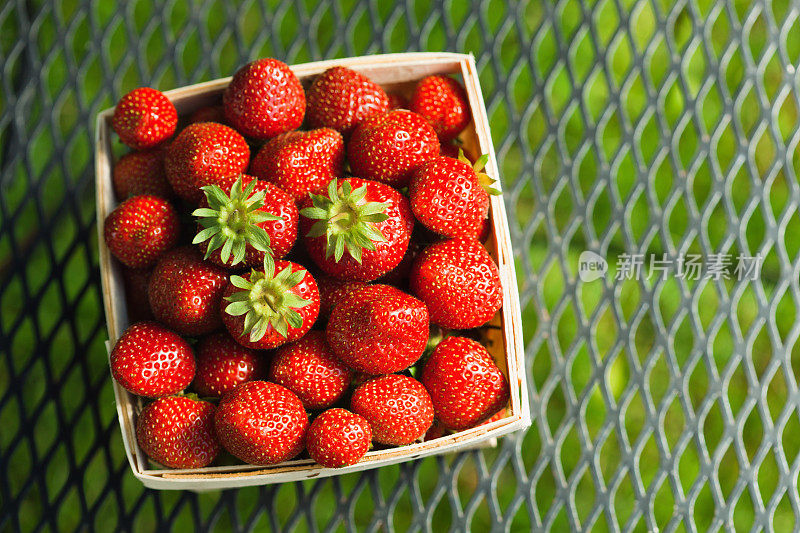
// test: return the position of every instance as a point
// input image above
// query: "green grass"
(570, 157)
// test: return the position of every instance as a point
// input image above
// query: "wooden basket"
(398, 73)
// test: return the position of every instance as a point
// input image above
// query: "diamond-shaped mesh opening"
(640, 126)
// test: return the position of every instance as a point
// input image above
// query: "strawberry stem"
(346, 219)
(231, 221)
(266, 300)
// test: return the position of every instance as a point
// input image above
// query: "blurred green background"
(620, 126)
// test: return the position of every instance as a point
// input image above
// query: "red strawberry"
(301, 162)
(250, 219)
(270, 307)
(398, 408)
(150, 360)
(389, 147)
(144, 118)
(338, 438)
(459, 282)
(141, 173)
(378, 329)
(465, 385)
(499, 415)
(397, 101)
(369, 220)
(451, 197)
(340, 98)
(136, 282)
(261, 423)
(443, 101)
(140, 229)
(264, 99)
(178, 432)
(185, 292)
(210, 113)
(308, 368)
(332, 291)
(202, 154)
(223, 363)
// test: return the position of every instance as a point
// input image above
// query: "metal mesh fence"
(621, 126)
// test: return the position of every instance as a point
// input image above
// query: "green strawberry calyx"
(346, 219)
(231, 221)
(484, 179)
(266, 300)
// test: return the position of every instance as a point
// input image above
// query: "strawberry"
(209, 113)
(272, 306)
(136, 282)
(140, 229)
(205, 153)
(301, 162)
(223, 363)
(465, 385)
(150, 360)
(264, 99)
(308, 368)
(451, 197)
(437, 430)
(178, 432)
(240, 227)
(332, 291)
(185, 292)
(397, 101)
(459, 282)
(338, 438)
(398, 408)
(144, 118)
(369, 220)
(443, 101)
(340, 98)
(378, 329)
(261, 423)
(141, 173)
(390, 146)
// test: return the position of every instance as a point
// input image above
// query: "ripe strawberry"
(178, 432)
(398, 408)
(340, 98)
(369, 220)
(136, 282)
(451, 197)
(443, 101)
(240, 226)
(499, 415)
(210, 113)
(141, 173)
(205, 153)
(378, 329)
(389, 147)
(308, 368)
(465, 385)
(261, 423)
(397, 101)
(459, 282)
(140, 229)
(338, 438)
(150, 360)
(266, 308)
(332, 291)
(144, 118)
(301, 162)
(185, 292)
(223, 363)
(264, 99)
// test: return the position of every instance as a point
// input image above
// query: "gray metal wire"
(621, 126)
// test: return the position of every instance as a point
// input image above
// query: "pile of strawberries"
(295, 290)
